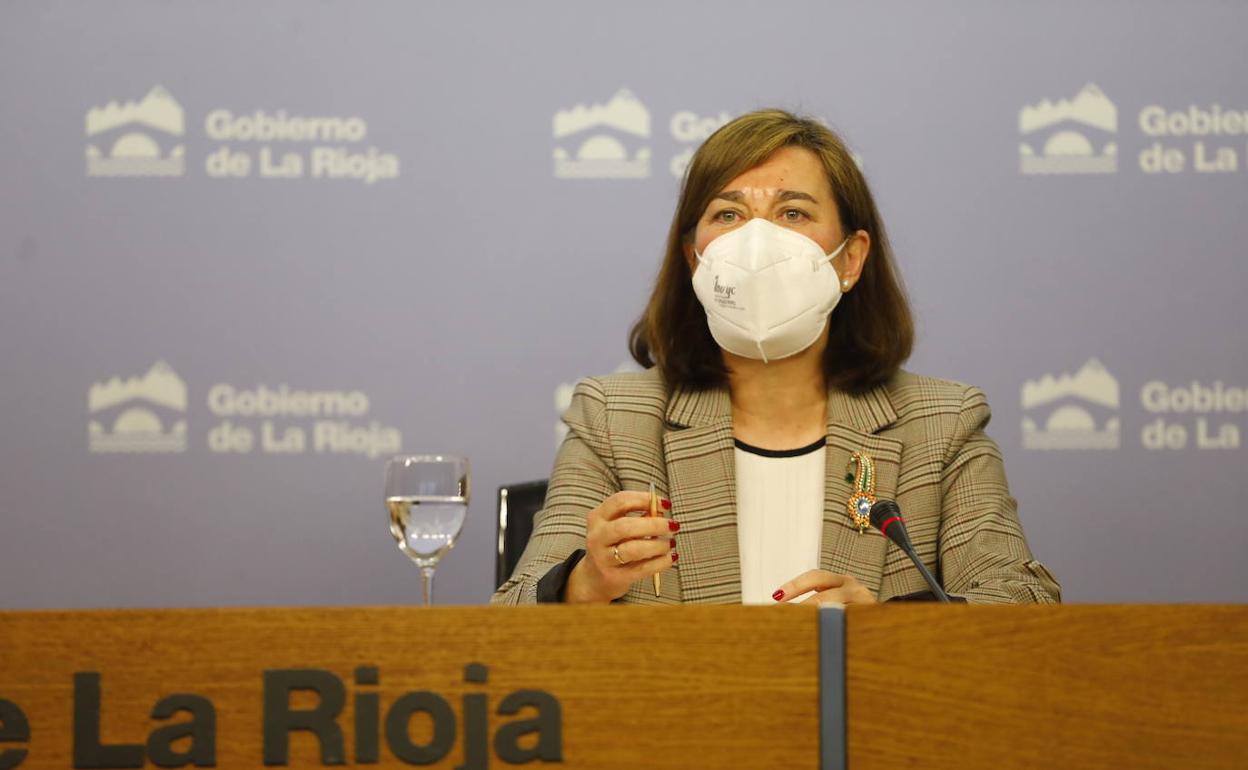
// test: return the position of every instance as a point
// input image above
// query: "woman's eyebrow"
(796, 195)
(735, 196)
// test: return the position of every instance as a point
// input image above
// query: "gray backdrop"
(413, 225)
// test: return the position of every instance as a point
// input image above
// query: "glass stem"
(426, 585)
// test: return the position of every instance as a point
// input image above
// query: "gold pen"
(654, 511)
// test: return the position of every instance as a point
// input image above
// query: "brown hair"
(871, 331)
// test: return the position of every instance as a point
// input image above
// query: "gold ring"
(615, 551)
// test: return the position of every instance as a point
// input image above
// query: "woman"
(773, 411)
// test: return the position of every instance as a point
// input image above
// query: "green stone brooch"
(863, 497)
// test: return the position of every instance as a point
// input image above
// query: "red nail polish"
(667, 504)
(672, 543)
(778, 595)
(673, 525)
(675, 556)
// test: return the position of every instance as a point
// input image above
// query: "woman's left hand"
(830, 589)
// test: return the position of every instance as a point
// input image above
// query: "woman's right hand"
(644, 544)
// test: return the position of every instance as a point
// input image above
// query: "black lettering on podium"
(13, 728)
(88, 752)
(548, 724)
(201, 729)
(280, 719)
(400, 714)
(367, 711)
(476, 730)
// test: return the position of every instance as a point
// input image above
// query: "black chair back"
(517, 505)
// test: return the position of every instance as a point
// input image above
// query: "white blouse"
(779, 516)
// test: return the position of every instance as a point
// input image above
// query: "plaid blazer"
(931, 456)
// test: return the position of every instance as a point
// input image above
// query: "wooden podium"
(627, 687)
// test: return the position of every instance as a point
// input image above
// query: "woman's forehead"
(789, 169)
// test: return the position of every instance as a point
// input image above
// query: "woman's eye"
(794, 215)
(727, 215)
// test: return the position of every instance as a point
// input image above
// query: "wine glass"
(427, 497)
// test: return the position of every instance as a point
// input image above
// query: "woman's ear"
(686, 245)
(853, 258)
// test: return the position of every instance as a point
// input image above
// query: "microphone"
(886, 517)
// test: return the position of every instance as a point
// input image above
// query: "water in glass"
(427, 499)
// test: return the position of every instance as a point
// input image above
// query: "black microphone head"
(882, 511)
(886, 517)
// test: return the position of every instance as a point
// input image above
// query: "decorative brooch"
(863, 497)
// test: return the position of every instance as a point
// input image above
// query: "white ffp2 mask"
(767, 290)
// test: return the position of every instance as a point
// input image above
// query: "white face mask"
(767, 290)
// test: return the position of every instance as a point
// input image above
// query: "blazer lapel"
(701, 476)
(852, 425)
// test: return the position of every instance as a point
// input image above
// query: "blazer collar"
(699, 408)
(865, 412)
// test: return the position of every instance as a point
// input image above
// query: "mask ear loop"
(829, 257)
